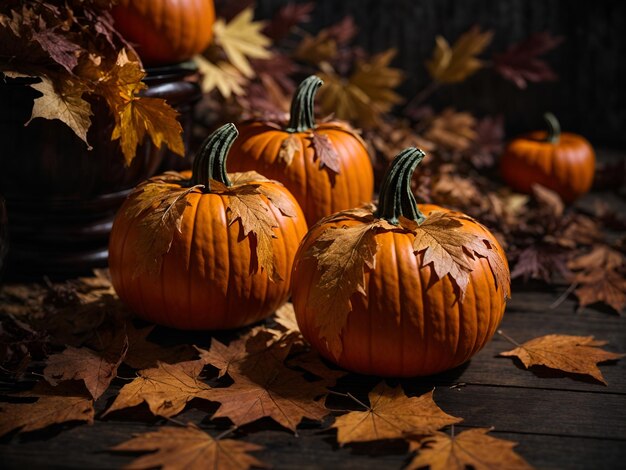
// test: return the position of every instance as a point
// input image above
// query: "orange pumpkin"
(165, 31)
(563, 162)
(212, 275)
(319, 189)
(403, 321)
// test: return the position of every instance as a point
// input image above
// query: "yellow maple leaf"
(221, 75)
(242, 39)
(456, 63)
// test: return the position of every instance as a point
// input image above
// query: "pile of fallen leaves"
(67, 344)
(71, 53)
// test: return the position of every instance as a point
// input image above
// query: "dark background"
(589, 97)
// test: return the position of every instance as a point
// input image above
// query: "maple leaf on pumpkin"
(571, 354)
(267, 389)
(242, 39)
(456, 63)
(190, 448)
(521, 64)
(392, 415)
(325, 152)
(95, 369)
(289, 148)
(166, 389)
(472, 448)
(66, 402)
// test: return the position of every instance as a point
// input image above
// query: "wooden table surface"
(559, 421)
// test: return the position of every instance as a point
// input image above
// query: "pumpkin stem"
(396, 198)
(302, 115)
(210, 161)
(554, 128)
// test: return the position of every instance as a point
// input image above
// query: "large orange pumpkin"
(560, 161)
(165, 31)
(319, 189)
(211, 275)
(403, 321)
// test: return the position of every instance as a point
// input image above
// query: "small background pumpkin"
(560, 161)
(211, 275)
(289, 156)
(404, 321)
(165, 31)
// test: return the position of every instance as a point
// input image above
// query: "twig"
(564, 295)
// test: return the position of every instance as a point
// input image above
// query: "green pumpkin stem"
(396, 198)
(302, 116)
(210, 161)
(554, 128)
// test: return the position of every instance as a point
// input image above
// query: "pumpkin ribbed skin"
(165, 31)
(206, 280)
(565, 166)
(320, 192)
(407, 327)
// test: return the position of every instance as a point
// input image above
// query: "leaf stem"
(396, 198)
(210, 161)
(302, 115)
(422, 95)
(563, 296)
(509, 339)
(352, 397)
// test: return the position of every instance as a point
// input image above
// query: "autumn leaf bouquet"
(71, 53)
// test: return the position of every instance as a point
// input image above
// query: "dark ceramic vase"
(60, 197)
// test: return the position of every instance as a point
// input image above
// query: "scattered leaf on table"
(472, 448)
(65, 104)
(285, 316)
(325, 152)
(144, 354)
(242, 39)
(95, 368)
(608, 287)
(541, 261)
(189, 448)
(166, 389)
(269, 389)
(312, 362)
(68, 401)
(572, 354)
(456, 63)
(521, 63)
(392, 415)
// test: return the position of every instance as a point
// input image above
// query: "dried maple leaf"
(268, 390)
(222, 76)
(241, 39)
(325, 152)
(521, 64)
(608, 287)
(312, 362)
(572, 354)
(452, 130)
(285, 316)
(472, 448)
(541, 261)
(368, 92)
(95, 369)
(144, 354)
(392, 415)
(166, 388)
(189, 448)
(600, 257)
(66, 402)
(286, 18)
(456, 63)
(65, 104)
(289, 148)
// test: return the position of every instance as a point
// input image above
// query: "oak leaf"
(242, 39)
(66, 402)
(456, 63)
(571, 354)
(189, 448)
(166, 388)
(95, 369)
(65, 104)
(265, 388)
(325, 152)
(392, 415)
(472, 448)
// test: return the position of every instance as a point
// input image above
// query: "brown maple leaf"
(571, 354)
(285, 316)
(606, 286)
(144, 354)
(289, 148)
(452, 130)
(166, 388)
(325, 152)
(456, 63)
(312, 362)
(392, 415)
(67, 402)
(95, 369)
(189, 448)
(265, 388)
(472, 448)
